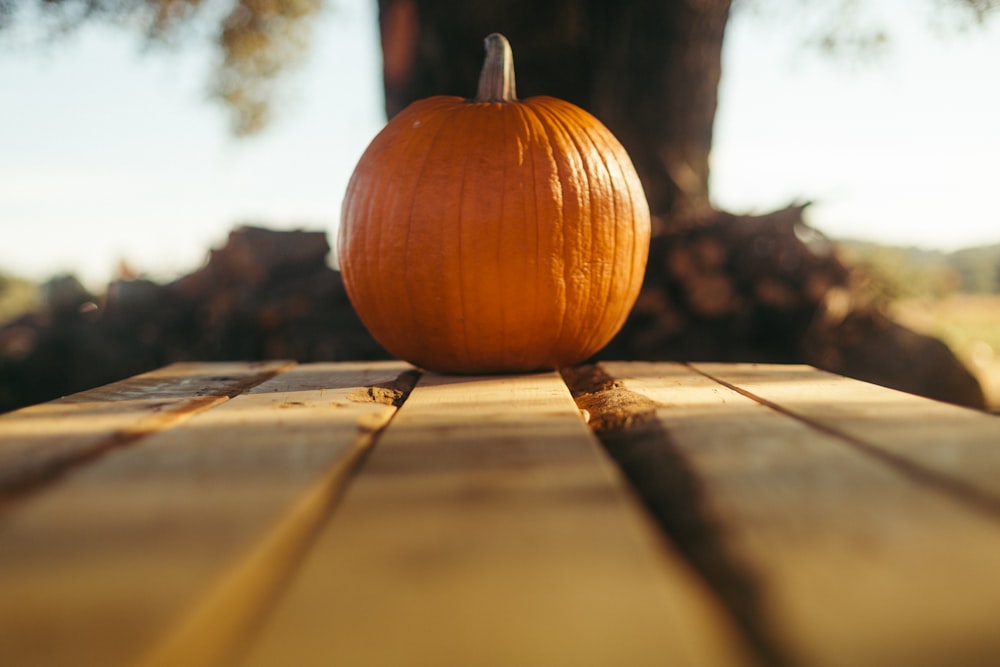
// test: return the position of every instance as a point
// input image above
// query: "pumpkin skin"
(493, 236)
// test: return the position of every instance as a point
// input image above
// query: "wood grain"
(855, 562)
(488, 528)
(41, 441)
(167, 551)
(955, 450)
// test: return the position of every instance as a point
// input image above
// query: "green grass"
(969, 324)
(17, 296)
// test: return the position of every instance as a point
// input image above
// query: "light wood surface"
(41, 441)
(856, 562)
(487, 528)
(282, 514)
(167, 550)
(954, 449)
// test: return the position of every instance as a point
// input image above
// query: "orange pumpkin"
(493, 234)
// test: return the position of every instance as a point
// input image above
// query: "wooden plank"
(41, 441)
(954, 449)
(853, 563)
(167, 551)
(487, 528)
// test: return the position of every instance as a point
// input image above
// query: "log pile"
(729, 288)
(264, 295)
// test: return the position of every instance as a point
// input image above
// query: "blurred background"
(134, 136)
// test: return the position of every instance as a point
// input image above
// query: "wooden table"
(335, 514)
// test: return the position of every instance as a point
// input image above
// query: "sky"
(111, 151)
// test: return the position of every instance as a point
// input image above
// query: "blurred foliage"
(259, 40)
(884, 274)
(853, 30)
(979, 268)
(17, 296)
(981, 8)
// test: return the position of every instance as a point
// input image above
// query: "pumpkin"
(493, 234)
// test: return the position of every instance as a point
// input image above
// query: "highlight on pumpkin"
(494, 234)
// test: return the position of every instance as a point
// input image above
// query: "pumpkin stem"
(496, 81)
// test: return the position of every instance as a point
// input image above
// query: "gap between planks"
(488, 527)
(952, 450)
(41, 442)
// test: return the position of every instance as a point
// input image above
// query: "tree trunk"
(649, 69)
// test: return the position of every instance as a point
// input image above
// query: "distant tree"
(882, 274)
(979, 268)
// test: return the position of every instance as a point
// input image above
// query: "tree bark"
(648, 69)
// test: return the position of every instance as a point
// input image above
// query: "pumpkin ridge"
(499, 258)
(440, 144)
(368, 252)
(541, 120)
(611, 147)
(525, 120)
(599, 213)
(636, 269)
(591, 211)
(347, 240)
(601, 147)
(518, 331)
(440, 112)
(462, 254)
(382, 168)
(598, 282)
(383, 188)
(473, 278)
